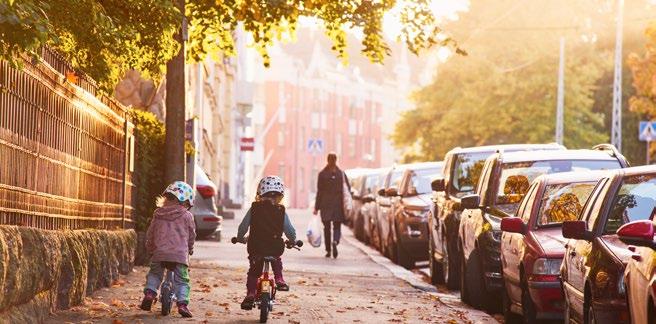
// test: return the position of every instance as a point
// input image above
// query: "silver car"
(205, 213)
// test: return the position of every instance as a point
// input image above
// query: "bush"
(149, 165)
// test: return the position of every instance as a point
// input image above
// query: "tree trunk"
(175, 110)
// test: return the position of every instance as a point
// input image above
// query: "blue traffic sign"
(647, 131)
(315, 146)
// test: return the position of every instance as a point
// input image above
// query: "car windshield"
(421, 180)
(466, 171)
(395, 180)
(371, 183)
(636, 200)
(517, 177)
(563, 202)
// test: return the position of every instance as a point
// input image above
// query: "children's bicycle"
(167, 293)
(266, 287)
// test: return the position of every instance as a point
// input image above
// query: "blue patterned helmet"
(182, 191)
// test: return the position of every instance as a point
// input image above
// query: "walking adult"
(330, 202)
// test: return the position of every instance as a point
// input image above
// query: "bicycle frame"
(265, 284)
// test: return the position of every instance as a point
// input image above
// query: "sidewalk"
(354, 288)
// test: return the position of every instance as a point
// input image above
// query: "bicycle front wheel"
(265, 304)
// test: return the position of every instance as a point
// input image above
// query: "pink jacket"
(171, 234)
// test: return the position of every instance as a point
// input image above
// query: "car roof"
(507, 148)
(553, 155)
(645, 169)
(572, 177)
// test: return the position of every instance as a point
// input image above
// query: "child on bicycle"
(267, 221)
(170, 240)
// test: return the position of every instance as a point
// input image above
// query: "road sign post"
(647, 133)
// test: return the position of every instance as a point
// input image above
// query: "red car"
(595, 260)
(640, 275)
(532, 246)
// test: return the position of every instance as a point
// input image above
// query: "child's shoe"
(248, 303)
(148, 300)
(183, 310)
(282, 286)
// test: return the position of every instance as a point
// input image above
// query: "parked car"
(640, 274)
(411, 202)
(532, 245)
(384, 207)
(462, 168)
(204, 210)
(504, 181)
(354, 176)
(359, 191)
(368, 210)
(592, 271)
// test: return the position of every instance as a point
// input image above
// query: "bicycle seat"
(169, 265)
(270, 258)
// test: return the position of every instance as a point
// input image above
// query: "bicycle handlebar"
(289, 244)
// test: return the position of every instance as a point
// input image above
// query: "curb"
(399, 272)
(414, 280)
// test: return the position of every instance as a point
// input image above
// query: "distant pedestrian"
(170, 240)
(330, 202)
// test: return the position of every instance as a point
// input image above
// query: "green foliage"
(104, 38)
(149, 161)
(505, 90)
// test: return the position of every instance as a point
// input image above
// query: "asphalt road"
(360, 286)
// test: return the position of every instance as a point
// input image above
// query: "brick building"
(307, 95)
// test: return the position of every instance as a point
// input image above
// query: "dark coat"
(329, 200)
(266, 229)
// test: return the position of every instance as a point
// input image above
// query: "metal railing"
(64, 150)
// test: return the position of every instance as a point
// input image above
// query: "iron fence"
(65, 150)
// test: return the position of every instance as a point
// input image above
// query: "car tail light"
(211, 219)
(206, 191)
(543, 278)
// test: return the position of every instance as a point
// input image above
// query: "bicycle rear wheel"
(264, 307)
(166, 301)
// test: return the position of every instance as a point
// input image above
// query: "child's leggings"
(181, 286)
(255, 271)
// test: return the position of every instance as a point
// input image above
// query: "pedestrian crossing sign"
(647, 131)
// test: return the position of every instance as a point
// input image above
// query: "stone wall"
(41, 270)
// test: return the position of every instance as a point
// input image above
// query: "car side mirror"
(391, 192)
(576, 230)
(638, 233)
(381, 192)
(470, 201)
(438, 185)
(513, 225)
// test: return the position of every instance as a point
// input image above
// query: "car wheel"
(403, 257)
(464, 296)
(528, 308)
(588, 311)
(435, 267)
(203, 234)
(449, 267)
(473, 282)
(391, 248)
(508, 315)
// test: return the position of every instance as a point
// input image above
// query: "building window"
(351, 146)
(315, 120)
(324, 121)
(281, 171)
(301, 140)
(301, 179)
(281, 137)
(373, 149)
(313, 181)
(338, 144)
(338, 103)
(352, 127)
(282, 114)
